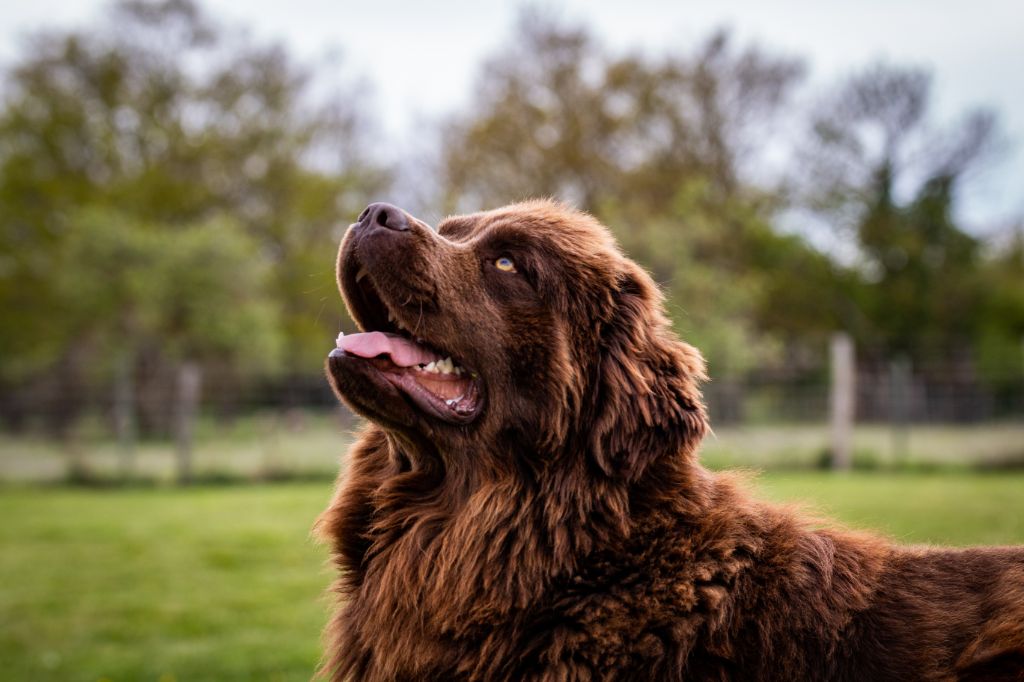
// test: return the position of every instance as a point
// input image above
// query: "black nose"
(384, 215)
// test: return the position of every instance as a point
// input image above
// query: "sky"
(420, 59)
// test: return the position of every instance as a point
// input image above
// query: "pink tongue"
(403, 352)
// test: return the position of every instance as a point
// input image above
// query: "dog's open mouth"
(433, 381)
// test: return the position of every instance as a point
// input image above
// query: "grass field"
(198, 584)
(224, 583)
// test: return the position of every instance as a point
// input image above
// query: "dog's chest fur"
(450, 615)
(491, 591)
(738, 592)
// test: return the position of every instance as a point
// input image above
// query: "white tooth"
(449, 366)
(360, 274)
(432, 367)
(451, 402)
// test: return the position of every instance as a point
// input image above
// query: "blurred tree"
(168, 120)
(1001, 338)
(738, 289)
(152, 166)
(871, 135)
(668, 152)
(882, 174)
(190, 292)
(555, 114)
(185, 296)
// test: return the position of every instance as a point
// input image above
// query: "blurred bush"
(170, 189)
(672, 151)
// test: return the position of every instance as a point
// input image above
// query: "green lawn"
(965, 508)
(200, 584)
(224, 583)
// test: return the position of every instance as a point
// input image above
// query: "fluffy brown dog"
(527, 504)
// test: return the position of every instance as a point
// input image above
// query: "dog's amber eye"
(505, 264)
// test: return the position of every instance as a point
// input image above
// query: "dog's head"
(521, 326)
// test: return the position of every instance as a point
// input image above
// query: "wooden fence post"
(189, 382)
(842, 401)
(124, 414)
(900, 395)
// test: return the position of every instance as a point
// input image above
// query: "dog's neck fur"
(743, 584)
(417, 539)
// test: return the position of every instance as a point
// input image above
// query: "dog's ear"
(647, 403)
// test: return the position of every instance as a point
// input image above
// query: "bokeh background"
(830, 198)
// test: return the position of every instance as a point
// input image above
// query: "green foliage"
(883, 175)
(170, 188)
(658, 148)
(557, 114)
(664, 149)
(710, 298)
(1001, 333)
(215, 149)
(189, 292)
(926, 271)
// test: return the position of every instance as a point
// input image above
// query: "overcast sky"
(421, 57)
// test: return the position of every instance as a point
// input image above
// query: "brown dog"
(527, 504)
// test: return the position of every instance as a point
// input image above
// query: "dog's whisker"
(323, 304)
(419, 320)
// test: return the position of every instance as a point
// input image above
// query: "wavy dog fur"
(570, 533)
